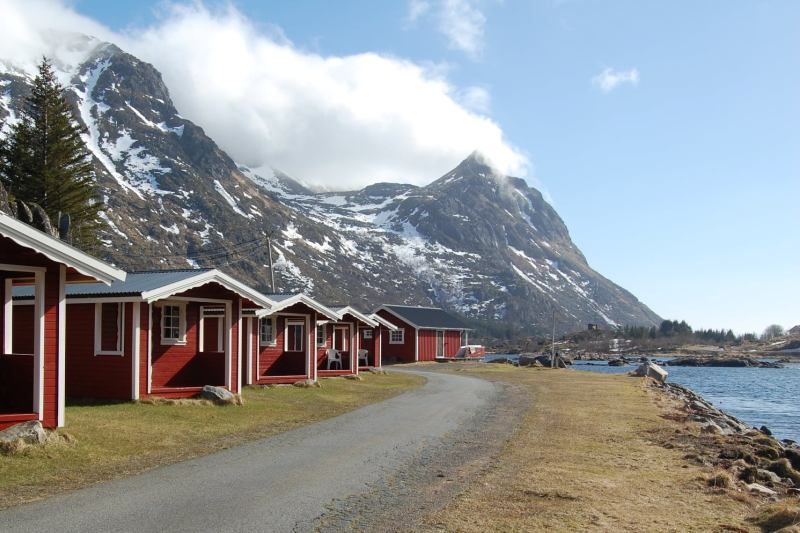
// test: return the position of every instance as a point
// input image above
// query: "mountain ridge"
(488, 247)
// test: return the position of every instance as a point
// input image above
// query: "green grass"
(109, 441)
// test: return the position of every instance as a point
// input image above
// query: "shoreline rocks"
(751, 456)
(723, 362)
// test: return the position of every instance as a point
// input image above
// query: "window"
(294, 336)
(108, 320)
(367, 333)
(267, 332)
(321, 337)
(397, 336)
(173, 324)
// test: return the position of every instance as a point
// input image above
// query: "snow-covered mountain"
(486, 246)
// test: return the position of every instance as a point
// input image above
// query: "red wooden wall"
(96, 376)
(274, 361)
(398, 352)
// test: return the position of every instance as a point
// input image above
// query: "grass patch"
(108, 441)
(587, 457)
(785, 514)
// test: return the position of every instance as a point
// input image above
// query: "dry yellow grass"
(586, 458)
(114, 440)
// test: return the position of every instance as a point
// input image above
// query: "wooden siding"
(182, 365)
(274, 360)
(403, 353)
(96, 376)
(427, 343)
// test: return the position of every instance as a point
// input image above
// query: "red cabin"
(161, 333)
(32, 361)
(422, 334)
(343, 338)
(279, 346)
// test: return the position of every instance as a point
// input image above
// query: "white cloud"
(475, 98)
(460, 21)
(330, 121)
(609, 79)
(417, 8)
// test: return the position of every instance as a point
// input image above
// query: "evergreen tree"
(44, 161)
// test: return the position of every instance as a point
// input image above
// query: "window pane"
(295, 340)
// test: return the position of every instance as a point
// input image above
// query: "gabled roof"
(383, 322)
(57, 250)
(348, 309)
(425, 317)
(157, 285)
(279, 302)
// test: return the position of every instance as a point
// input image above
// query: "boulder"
(217, 394)
(651, 370)
(767, 476)
(760, 489)
(30, 432)
(353, 377)
(306, 383)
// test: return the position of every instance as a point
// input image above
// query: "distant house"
(280, 345)
(794, 331)
(160, 333)
(423, 334)
(32, 361)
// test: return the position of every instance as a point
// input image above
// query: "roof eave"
(59, 251)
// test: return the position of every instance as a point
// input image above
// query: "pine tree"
(44, 161)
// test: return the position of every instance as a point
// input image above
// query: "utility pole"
(269, 261)
(553, 346)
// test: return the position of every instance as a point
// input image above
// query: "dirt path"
(367, 469)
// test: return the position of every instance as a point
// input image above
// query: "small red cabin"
(344, 338)
(32, 361)
(280, 344)
(422, 334)
(161, 333)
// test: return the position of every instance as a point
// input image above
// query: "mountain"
(486, 246)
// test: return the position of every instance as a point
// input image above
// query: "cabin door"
(340, 338)
(439, 344)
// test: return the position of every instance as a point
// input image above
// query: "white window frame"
(367, 334)
(394, 332)
(98, 329)
(324, 331)
(289, 323)
(268, 342)
(212, 312)
(181, 340)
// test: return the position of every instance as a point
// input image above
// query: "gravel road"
(366, 469)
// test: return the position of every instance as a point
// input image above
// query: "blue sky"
(683, 187)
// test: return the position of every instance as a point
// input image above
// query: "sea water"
(756, 396)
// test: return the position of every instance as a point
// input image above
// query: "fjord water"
(756, 396)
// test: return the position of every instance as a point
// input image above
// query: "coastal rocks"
(543, 360)
(30, 432)
(650, 370)
(762, 465)
(722, 362)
